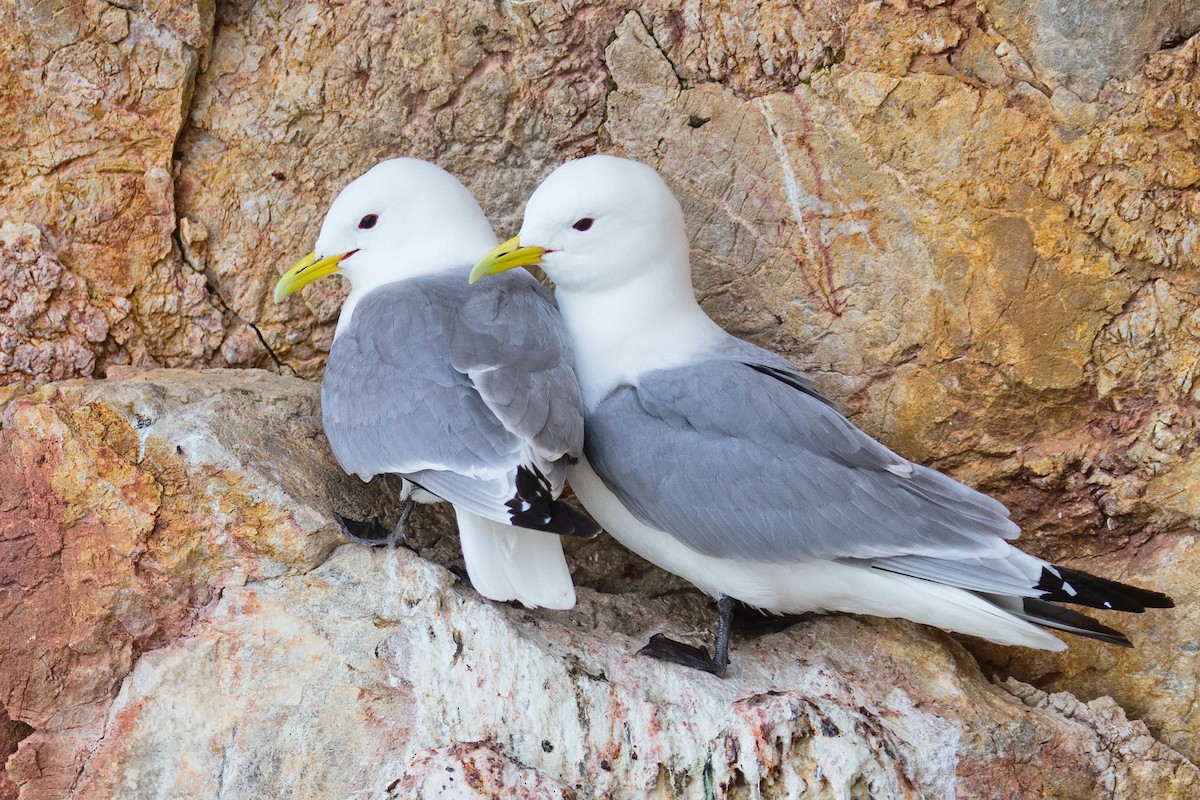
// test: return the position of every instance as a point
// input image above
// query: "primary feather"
(718, 461)
(469, 394)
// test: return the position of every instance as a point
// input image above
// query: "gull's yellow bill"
(307, 270)
(505, 256)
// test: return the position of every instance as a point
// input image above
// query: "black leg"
(400, 532)
(666, 649)
(725, 607)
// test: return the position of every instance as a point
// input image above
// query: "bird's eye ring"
(368, 222)
(583, 224)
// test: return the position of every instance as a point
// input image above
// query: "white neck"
(445, 254)
(652, 322)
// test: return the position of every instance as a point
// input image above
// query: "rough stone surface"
(975, 224)
(375, 675)
(46, 319)
(126, 508)
(217, 646)
(1076, 47)
(92, 99)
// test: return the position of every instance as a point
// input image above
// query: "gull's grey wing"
(1015, 574)
(402, 391)
(740, 463)
(513, 347)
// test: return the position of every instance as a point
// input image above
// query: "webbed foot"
(368, 533)
(372, 533)
(751, 623)
(666, 649)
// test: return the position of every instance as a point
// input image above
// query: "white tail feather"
(962, 611)
(509, 563)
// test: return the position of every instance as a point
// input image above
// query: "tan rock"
(1080, 47)
(375, 674)
(47, 326)
(133, 504)
(92, 99)
(973, 224)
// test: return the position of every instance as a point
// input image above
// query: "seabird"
(470, 395)
(718, 461)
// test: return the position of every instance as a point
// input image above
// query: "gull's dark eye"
(368, 221)
(583, 224)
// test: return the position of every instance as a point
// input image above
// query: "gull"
(470, 396)
(718, 461)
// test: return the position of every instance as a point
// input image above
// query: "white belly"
(785, 588)
(797, 587)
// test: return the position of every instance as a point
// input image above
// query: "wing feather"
(512, 346)
(454, 387)
(739, 463)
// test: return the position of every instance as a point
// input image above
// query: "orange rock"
(973, 224)
(127, 507)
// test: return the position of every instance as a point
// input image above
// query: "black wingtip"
(1064, 619)
(1160, 600)
(534, 507)
(581, 526)
(1066, 585)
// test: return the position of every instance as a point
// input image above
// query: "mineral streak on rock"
(177, 624)
(975, 224)
(127, 508)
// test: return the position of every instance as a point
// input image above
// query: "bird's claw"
(368, 533)
(372, 533)
(667, 649)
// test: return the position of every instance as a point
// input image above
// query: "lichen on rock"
(218, 645)
(974, 224)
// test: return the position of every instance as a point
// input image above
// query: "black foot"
(666, 649)
(461, 574)
(368, 533)
(372, 533)
(748, 621)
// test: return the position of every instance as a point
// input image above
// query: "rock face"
(217, 646)
(973, 223)
(92, 99)
(127, 508)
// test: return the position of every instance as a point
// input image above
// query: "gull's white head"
(598, 223)
(402, 218)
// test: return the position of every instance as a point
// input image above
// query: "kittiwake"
(718, 461)
(470, 395)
